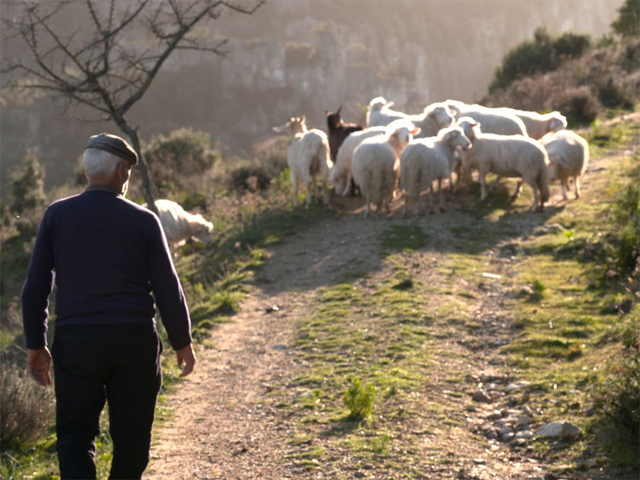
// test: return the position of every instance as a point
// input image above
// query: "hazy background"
(295, 57)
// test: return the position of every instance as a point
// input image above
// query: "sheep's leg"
(457, 169)
(534, 207)
(430, 194)
(314, 184)
(309, 195)
(442, 209)
(565, 187)
(483, 185)
(294, 180)
(325, 192)
(406, 202)
(347, 187)
(577, 186)
(516, 194)
(366, 210)
(416, 205)
(495, 183)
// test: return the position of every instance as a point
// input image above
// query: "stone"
(524, 419)
(506, 438)
(512, 387)
(493, 416)
(481, 396)
(526, 434)
(559, 430)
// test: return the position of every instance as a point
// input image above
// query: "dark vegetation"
(249, 202)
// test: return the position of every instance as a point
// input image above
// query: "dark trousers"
(119, 364)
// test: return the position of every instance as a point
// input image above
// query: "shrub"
(26, 409)
(580, 106)
(27, 185)
(542, 54)
(628, 22)
(178, 159)
(359, 400)
(617, 394)
(625, 215)
(613, 93)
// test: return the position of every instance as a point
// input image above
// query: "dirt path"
(222, 428)
(219, 430)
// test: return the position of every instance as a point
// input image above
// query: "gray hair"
(100, 162)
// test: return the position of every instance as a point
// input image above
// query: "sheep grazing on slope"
(338, 131)
(308, 158)
(568, 157)
(538, 125)
(427, 159)
(180, 225)
(375, 166)
(492, 120)
(380, 114)
(509, 156)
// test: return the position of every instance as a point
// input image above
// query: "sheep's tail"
(543, 182)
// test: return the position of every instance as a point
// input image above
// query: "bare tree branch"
(109, 62)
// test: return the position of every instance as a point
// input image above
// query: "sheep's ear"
(415, 131)
(303, 118)
(389, 104)
(339, 109)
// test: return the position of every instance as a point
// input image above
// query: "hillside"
(433, 312)
(302, 57)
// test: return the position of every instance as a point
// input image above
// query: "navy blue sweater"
(106, 255)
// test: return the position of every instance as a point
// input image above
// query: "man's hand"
(186, 360)
(39, 364)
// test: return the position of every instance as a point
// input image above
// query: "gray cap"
(115, 145)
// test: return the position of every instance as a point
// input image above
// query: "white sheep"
(425, 160)
(434, 118)
(308, 158)
(568, 157)
(509, 156)
(380, 113)
(180, 225)
(537, 124)
(341, 173)
(492, 120)
(375, 166)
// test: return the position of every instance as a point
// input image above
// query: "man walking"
(111, 266)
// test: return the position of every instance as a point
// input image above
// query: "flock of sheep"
(409, 153)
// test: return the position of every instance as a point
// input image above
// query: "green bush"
(542, 54)
(625, 215)
(359, 400)
(179, 158)
(617, 394)
(27, 186)
(628, 22)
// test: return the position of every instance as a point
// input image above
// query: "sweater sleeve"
(38, 287)
(168, 292)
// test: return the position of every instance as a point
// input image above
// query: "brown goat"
(338, 131)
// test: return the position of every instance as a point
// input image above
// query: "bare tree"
(108, 62)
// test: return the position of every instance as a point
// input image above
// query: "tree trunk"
(147, 186)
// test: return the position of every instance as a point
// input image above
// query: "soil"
(221, 428)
